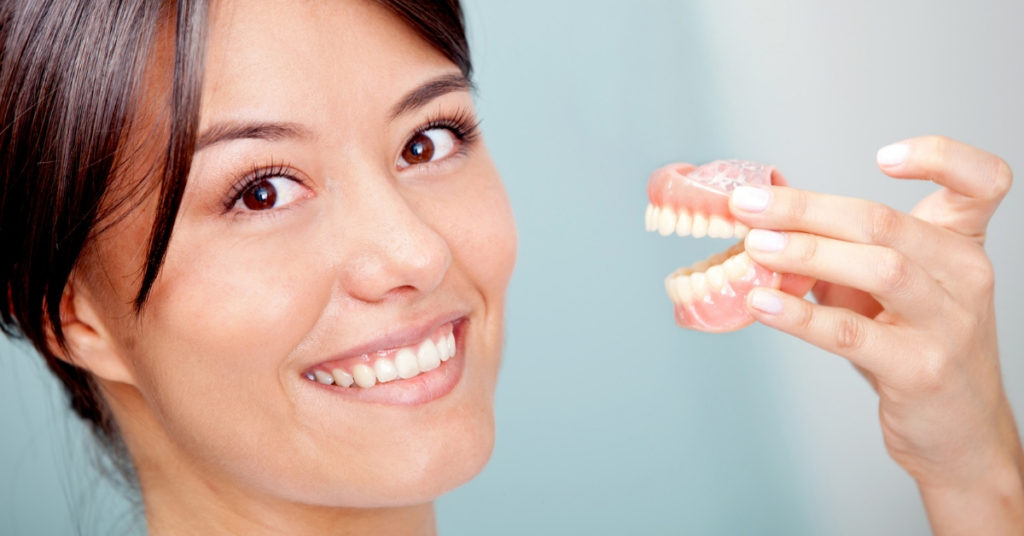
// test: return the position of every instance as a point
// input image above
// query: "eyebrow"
(430, 90)
(261, 130)
(271, 131)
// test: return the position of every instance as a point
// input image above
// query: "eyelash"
(462, 124)
(256, 175)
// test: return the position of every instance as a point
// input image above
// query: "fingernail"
(765, 301)
(751, 199)
(893, 155)
(764, 240)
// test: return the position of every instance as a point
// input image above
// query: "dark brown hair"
(71, 77)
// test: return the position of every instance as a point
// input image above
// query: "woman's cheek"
(235, 309)
(497, 241)
(484, 238)
(220, 324)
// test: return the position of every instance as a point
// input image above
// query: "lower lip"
(420, 389)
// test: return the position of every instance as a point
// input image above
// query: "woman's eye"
(270, 193)
(427, 146)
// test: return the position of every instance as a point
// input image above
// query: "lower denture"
(711, 294)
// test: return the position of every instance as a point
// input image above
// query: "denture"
(711, 294)
(366, 370)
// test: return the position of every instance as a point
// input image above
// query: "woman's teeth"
(407, 363)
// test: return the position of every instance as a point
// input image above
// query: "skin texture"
(206, 384)
(908, 299)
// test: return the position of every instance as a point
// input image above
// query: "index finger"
(975, 181)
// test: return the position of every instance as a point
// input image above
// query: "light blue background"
(610, 419)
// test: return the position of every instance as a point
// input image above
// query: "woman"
(340, 215)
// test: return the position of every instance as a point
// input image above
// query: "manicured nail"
(893, 155)
(765, 301)
(751, 199)
(764, 240)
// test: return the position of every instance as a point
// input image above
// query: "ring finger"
(899, 284)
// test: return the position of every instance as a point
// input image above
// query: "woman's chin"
(418, 478)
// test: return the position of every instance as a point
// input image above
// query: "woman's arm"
(908, 299)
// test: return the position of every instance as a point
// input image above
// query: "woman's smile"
(412, 365)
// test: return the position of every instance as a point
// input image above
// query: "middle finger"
(847, 219)
(899, 284)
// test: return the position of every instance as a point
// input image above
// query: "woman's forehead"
(308, 62)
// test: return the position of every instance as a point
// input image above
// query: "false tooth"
(666, 222)
(683, 289)
(716, 277)
(699, 282)
(648, 223)
(700, 225)
(740, 230)
(685, 223)
(719, 228)
(323, 377)
(364, 376)
(405, 362)
(734, 268)
(385, 370)
(745, 261)
(342, 378)
(670, 288)
(427, 357)
(654, 218)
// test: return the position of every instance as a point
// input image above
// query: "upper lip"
(407, 335)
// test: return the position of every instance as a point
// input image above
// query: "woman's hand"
(908, 299)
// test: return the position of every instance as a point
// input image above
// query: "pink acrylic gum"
(706, 189)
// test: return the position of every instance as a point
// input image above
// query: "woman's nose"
(397, 251)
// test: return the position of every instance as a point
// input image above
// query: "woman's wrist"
(991, 503)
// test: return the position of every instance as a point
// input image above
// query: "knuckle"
(796, 208)
(934, 154)
(932, 370)
(849, 333)
(938, 147)
(978, 270)
(1002, 179)
(804, 318)
(884, 223)
(808, 249)
(893, 270)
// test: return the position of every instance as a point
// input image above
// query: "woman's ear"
(88, 343)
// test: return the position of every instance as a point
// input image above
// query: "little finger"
(864, 342)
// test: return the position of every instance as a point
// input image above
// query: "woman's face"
(340, 211)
